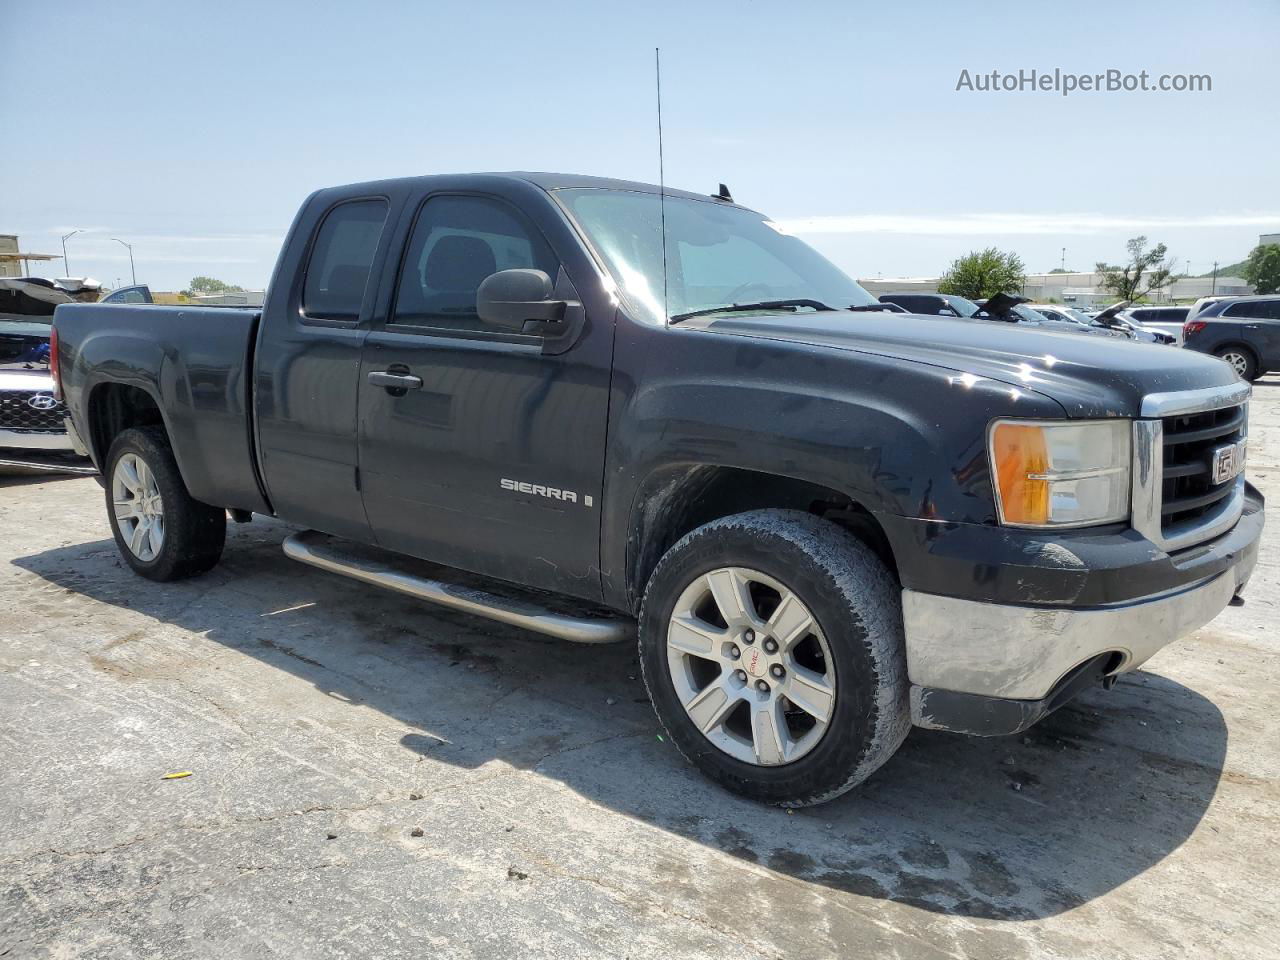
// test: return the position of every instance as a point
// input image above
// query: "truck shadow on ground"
(1014, 828)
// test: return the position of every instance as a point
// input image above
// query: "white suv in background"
(1165, 319)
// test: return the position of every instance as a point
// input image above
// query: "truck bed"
(194, 363)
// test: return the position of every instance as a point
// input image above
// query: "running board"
(427, 582)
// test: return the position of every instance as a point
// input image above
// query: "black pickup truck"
(598, 409)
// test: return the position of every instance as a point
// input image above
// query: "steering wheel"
(739, 293)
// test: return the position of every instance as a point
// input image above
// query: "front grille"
(1187, 491)
(17, 413)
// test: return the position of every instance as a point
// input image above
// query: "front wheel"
(771, 645)
(161, 532)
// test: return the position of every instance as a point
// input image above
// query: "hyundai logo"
(42, 401)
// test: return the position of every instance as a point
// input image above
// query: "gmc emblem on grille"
(1227, 462)
(42, 401)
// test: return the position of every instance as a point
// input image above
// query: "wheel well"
(682, 499)
(114, 408)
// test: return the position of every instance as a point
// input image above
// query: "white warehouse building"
(1077, 289)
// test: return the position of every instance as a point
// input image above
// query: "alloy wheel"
(139, 507)
(751, 666)
(1239, 362)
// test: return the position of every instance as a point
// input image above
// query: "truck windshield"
(718, 255)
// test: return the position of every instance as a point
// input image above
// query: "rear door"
(492, 460)
(1260, 320)
(308, 364)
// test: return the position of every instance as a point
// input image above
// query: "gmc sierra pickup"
(593, 408)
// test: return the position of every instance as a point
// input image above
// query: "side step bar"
(389, 570)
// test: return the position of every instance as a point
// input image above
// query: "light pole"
(129, 247)
(65, 265)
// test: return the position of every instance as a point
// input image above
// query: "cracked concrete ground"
(326, 723)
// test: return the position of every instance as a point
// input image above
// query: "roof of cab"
(547, 181)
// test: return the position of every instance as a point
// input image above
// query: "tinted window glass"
(1257, 309)
(338, 270)
(914, 303)
(456, 244)
(962, 307)
(1141, 315)
(1239, 310)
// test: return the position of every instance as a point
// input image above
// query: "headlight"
(1060, 473)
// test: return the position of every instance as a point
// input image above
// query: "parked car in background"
(1164, 319)
(1204, 302)
(1007, 308)
(136, 294)
(31, 417)
(1055, 311)
(928, 304)
(1244, 331)
(1113, 318)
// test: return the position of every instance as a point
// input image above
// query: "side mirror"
(512, 298)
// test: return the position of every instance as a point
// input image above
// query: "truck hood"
(1088, 376)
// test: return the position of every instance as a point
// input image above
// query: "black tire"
(1248, 367)
(194, 532)
(856, 603)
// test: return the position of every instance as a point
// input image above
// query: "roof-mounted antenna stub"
(724, 194)
(662, 184)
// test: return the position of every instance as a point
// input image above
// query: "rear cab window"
(341, 257)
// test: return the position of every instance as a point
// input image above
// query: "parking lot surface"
(371, 776)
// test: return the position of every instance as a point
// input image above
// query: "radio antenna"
(662, 182)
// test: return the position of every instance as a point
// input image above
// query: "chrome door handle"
(394, 381)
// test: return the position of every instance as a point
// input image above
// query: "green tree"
(1262, 269)
(201, 285)
(984, 273)
(1148, 271)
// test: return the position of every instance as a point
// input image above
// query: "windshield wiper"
(866, 307)
(758, 305)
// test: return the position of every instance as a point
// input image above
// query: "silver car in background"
(32, 419)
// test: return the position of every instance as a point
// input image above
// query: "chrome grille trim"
(1148, 467)
(1194, 401)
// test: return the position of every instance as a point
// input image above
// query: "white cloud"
(1015, 223)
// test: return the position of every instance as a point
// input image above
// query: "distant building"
(1268, 238)
(9, 244)
(238, 298)
(880, 285)
(1077, 289)
(15, 262)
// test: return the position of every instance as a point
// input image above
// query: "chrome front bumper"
(29, 440)
(1021, 653)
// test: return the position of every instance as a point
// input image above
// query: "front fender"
(896, 437)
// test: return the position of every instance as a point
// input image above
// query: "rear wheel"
(1242, 361)
(771, 645)
(161, 532)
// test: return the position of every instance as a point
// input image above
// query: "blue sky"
(193, 130)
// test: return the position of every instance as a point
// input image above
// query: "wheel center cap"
(753, 662)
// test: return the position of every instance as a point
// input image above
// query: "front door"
(483, 451)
